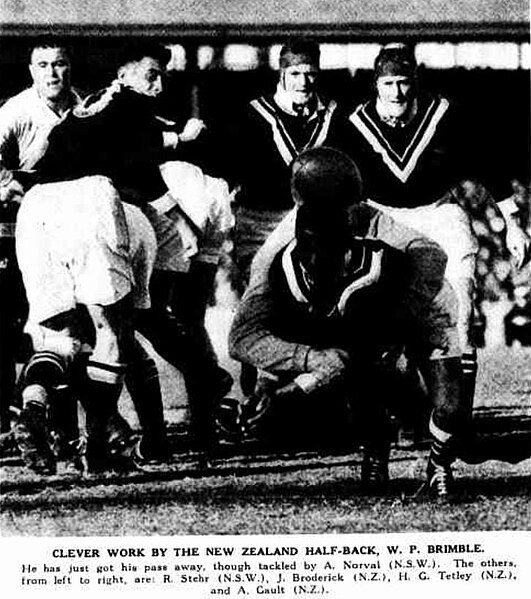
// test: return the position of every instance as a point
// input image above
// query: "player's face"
(50, 71)
(144, 77)
(323, 259)
(301, 82)
(395, 92)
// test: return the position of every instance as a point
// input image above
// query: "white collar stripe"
(373, 125)
(322, 127)
(291, 277)
(277, 124)
(401, 166)
(281, 137)
(371, 277)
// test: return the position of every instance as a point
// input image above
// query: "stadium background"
(224, 52)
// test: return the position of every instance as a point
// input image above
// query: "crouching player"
(337, 291)
(85, 260)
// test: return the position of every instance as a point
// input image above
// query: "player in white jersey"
(25, 123)
(86, 260)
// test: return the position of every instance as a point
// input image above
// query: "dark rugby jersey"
(123, 141)
(266, 142)
(364, 312)
(413, 165)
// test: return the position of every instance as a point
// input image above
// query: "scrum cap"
(324, 177)
(299, 52)
(395, 59)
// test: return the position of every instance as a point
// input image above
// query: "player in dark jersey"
(419, 166)
(118, 133)
(265, 139)
(332, 305)
(272, 130)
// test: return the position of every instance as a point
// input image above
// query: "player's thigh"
(143, 251)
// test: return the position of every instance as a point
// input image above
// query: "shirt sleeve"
(252, 339)
(7, 140)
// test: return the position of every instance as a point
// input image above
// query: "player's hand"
(327, 364)
(517, 243)
(192, 130)
(12, 192)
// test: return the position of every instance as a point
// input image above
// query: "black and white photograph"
(281, 343)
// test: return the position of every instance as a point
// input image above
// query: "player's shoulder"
(19, 103)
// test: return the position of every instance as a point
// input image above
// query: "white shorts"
(143, 251)
(73, 246)
(446, 224)
(175, 242)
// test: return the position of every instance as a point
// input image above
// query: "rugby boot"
(206, 391)
(146, 456)
(142, 382)
(109, 437)
(31, 435)
(63, 421)
(375, 469)
(8, 444)
(440, 479)
(439, 475)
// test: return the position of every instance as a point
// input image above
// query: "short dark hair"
(49, 41)
(136, 51)
(324, 176)
(299, 47)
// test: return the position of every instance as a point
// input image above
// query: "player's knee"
(61, 343)
(45, 368)
(106, 324)
(35, 395)
(452, 419)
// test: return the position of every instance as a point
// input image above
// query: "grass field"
(302, 492)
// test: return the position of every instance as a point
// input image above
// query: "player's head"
(328, 190)
(141, 67)
(395, 78)
(299, 70)
(321, 176)
(49, 66)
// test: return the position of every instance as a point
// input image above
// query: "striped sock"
(441, 445)
(469, 366)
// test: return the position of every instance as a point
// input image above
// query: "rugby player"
(25, 122)
(85, 260)
(272, 131)
(335, 293)
(420, 167)
(99, 139)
